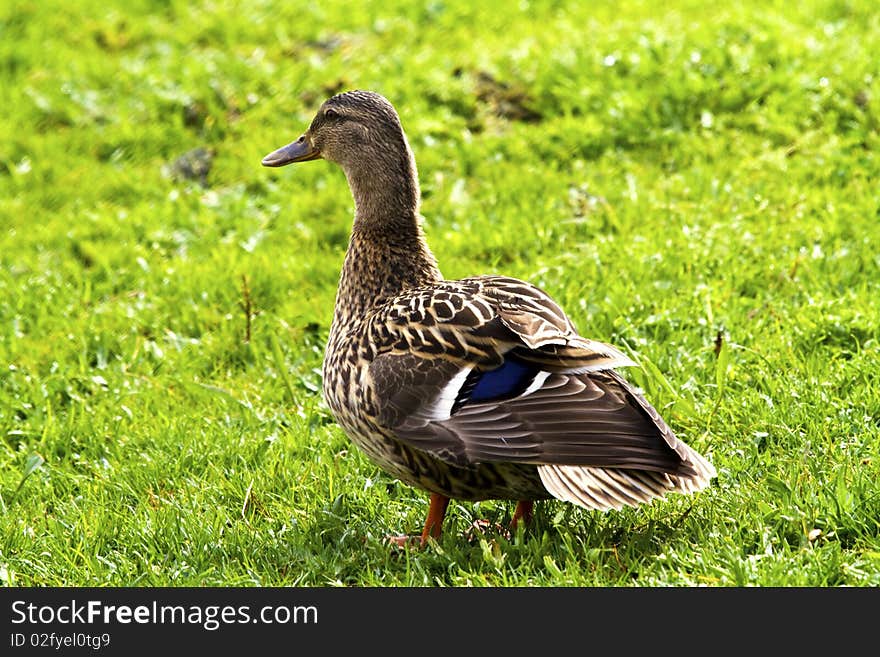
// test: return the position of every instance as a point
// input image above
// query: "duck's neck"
(387, 253)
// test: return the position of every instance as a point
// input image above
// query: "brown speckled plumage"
(476, 388)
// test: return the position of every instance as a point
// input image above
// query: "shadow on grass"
(563, 546)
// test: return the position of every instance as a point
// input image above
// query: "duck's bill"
(299, 151)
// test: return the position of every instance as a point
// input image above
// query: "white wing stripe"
(441, 407)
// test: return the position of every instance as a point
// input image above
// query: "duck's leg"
(433, 524)
(523, 513)
(436, 513)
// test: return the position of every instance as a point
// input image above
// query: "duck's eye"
(331, 115)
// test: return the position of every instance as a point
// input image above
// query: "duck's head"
(355, 129)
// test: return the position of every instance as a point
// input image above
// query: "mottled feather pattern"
(478, 319)
(413, 344)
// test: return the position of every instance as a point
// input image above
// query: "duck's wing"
(491, 370)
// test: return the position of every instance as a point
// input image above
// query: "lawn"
(696, 184)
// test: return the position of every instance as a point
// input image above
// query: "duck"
(471, 389)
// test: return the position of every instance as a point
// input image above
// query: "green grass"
(679, 179)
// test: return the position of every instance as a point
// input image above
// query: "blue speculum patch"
(509, 380)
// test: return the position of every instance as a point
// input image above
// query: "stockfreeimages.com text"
(211, 617)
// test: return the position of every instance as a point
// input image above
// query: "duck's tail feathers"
(613, 488)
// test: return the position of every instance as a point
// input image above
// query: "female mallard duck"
(474, 389)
